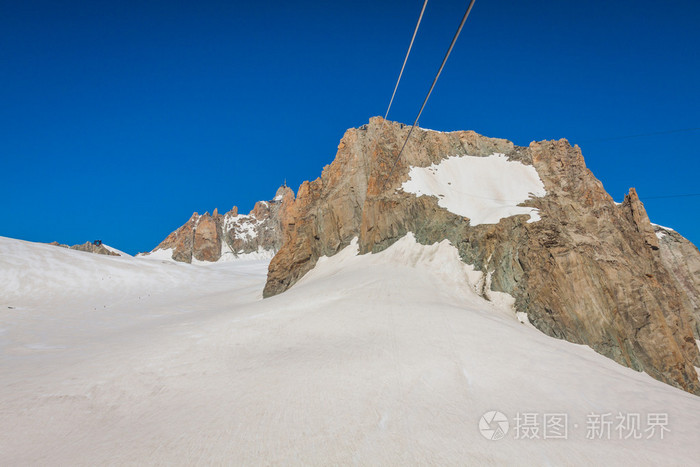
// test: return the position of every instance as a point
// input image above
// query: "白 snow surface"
(227, 254)
(160, 254)
(383, 359)
(484, 189)
(114, 250)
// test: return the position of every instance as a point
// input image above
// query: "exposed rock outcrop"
(213, 237)
(89, 247)
(588, 271)
(682, 259)
(206, 245)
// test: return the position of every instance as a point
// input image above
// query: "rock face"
(682, 259)
(206, 245)
(89, 247)
(214, 237)
(588, 270)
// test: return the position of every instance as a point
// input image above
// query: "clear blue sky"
(119, 119)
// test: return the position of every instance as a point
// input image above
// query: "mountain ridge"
(216, 237)
(580, 266)
(588, 271)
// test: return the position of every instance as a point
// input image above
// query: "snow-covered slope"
(114, 250)
(56, 298)
(386, 359)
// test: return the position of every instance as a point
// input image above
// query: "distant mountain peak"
(216, 237)
(91, 247)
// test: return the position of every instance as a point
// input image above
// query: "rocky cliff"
(214, 237)
(682, 259)
(533, 219)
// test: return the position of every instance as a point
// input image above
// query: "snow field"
(382, 359)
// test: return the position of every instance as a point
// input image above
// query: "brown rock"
(206, 244)
(181, 241)
(682, 260)
(206, 237)
(640, 219)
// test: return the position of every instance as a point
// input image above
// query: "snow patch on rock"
(484, 189)
(662, 227)
(244, 225)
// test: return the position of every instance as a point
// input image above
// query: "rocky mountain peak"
(217, 237)
(640, 219)
(534, 220)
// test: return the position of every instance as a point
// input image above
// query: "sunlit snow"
(484, 189)
(375, 359)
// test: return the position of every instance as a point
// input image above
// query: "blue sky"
(119, 119)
